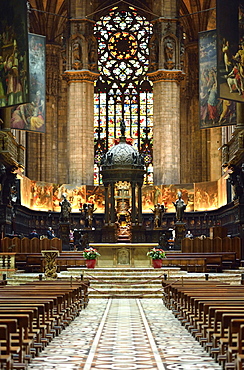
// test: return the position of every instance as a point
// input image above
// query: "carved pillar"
(165, 72)
(139, 204)
(133, 205)
(80, 74)
(112, 204)
(106, 205)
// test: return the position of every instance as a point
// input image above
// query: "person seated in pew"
(33, 234)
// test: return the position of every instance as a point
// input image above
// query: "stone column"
(165, 72)
(166, 154)
(81, 73)
(80, 130)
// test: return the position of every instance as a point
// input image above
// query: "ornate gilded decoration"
(80, 76)
(166, 75)
(50, 263)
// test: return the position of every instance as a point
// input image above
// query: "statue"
(158, 210)
(168, 49)
(65, 209)
(76, 55)
(90, 211)
(122, 128)
(169, 53)
(180, 207)
(236, 178)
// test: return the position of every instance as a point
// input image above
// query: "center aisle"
(124, 334)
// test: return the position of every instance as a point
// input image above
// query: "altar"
(124, 254)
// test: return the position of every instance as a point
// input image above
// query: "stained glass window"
(123, 91)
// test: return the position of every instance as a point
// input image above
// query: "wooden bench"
(228, 260)
(41, 311)
(189, 264)
(240, 349)
(213, 314)
(6, 329)
(35, 262)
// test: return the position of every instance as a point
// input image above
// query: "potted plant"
(90, 254)
(156, 255)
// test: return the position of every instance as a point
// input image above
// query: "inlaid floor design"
(124, 334)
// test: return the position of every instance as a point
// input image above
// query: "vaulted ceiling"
(48, 17)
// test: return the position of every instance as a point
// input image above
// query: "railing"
(7, 261)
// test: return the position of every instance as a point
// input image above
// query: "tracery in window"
(123, 92)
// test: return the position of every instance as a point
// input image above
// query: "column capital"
(80, 76)
(166, 75)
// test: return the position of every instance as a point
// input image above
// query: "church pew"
(232, 293)
(239, 361)
(203, 308)
(220, 334)
(213, 262)
(82, 286)
(73, 296)
(35, 262)
(6, 329)
(190, 264)
(184, 295)
(229, 344)
(30, 332)
(171, 288)
(23, 322)
(5, 360)
(25, 292)
(201, 316)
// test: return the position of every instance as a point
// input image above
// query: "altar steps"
(129, 282)
(139, 282)
(124, 282)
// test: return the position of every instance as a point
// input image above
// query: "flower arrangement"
(90, 253)
(156, 253)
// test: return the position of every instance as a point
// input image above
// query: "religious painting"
(206, 196)
(222, 191)
(14, 65)
(25, 190)
(166, 195)
(170, 195)
(147, 198)
(41, 196)
(75, 194)
(31, 116)
(230, 49)
(95, 195)
(213, 112)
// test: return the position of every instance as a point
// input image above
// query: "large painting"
(213, 111)
(14, 66)
(31, 116)
(206, 196)
(76, 195)
(166, 195)
(230, 48)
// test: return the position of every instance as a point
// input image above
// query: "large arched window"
(123, 92)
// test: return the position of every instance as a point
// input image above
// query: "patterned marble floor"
(124, 334)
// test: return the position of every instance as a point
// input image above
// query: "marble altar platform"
(123, 254)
